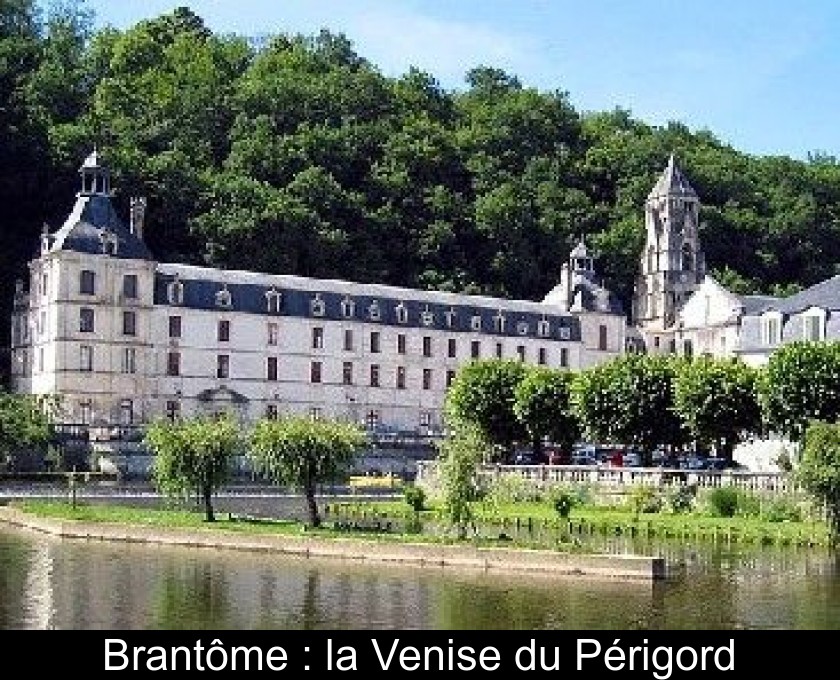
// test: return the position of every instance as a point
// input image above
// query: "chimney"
(138, 215)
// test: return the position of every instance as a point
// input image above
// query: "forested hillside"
(295, 154)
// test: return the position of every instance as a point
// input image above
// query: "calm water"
(53, 583)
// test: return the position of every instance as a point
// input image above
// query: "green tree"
(24, 423)
(302, 453)
(718, 402)
(460, 455)
(630, 400)
(483, 395)
(193, 455)
(801, 383)
(819, 468)
(543, 406)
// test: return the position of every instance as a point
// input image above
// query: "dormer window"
(317, 306)
(499, 322)
(565, 333)
(401, 312)
(427, 318)
(273, 299)
(771, 328)
(175, 292)
(450, 317)
(813, 324)
(374, 312)
(108, 241)
(348, 308)
(475, 322)
(523, 328)
(223, 298)
(543, 328)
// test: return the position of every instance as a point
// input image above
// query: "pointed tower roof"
(672, 182)
(580, 250)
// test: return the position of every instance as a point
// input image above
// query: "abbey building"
(123, 339)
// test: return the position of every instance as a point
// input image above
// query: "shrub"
(782, 509)
(723, 501)
(512, 489)
(681, 499)
(563, 499)
(415, 497)
(645, 499)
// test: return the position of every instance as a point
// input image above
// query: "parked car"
(584, 458)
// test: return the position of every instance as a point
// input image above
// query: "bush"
(563, 499)
(512, 489)
(681, 499)
(723, 501)
(782, 509)
(415, 497)
(645, 499)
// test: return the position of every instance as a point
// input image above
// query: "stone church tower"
(672, 263)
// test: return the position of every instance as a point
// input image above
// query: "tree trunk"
(208, 504)
(312, 505)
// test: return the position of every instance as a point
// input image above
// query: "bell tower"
(672, 263)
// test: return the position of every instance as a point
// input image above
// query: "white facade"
(121, 339)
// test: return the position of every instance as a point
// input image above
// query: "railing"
(775, 482)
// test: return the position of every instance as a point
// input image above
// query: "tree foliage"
(543, 406)
(819, 468)
(24, 423)
(801, 383)
(630, 400)
(301, 452)
(460, 456)
(193, 455)
(718, 402)
(482, 396)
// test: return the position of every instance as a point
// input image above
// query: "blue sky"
(763, 76)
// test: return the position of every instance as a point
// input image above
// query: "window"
(374, 313)
(427, 378)
(565, 333)
(348, 308)
(317, 338)
(688, 348)
(602, 338)
(452, 348)
(86, 411)
(87, 282)
(450, 317)
(425, 418)
(173, 363)
(401, 343)
(499, 322)
(687, 258)
(85, 358)
(401, 312)
(450, 377)
(222, 366)
(374, 342)
(174, 326)
(315, 372)
(520, 352)
(173, 410)
(317, 306)
(475, 322)
(175, 292)
(348, 340)
(271, 411)
(523, 328)
(126, 412)
(273, 333)
(86, 320)
(499, 350)
(271, 368)
(44, 284)
(374, 375)
(543, 328)
(564, 357)
(427, 318)
(223, 332)
(475, 349)
(347, 373)
(273, 299)
(223, 298)
(400, 377)
(372, 419)
(316, 413)
(129, 360)
(42, 323)
(427, 346)
(130, 286)
(813, 326)
(129, 323)
(542, 356)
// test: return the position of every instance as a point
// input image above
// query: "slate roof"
(596, 298)
(825, 294)
(756, 304)
(93, 215)
(671, 182)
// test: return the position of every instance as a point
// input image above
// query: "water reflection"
(45, 583)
